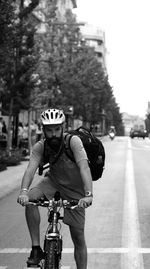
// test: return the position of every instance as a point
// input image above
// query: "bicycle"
(53, 242)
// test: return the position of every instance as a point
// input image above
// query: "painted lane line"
(131, 232)
(90, 250)
(62, 267)
(14, 250)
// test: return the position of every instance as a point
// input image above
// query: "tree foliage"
(17, 57)
(69, 72)
(147, 123)
(113, 115)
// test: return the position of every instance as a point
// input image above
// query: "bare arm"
(86, 175)
(29, 174)
(82, 162)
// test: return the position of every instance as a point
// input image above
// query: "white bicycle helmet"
(52, 116)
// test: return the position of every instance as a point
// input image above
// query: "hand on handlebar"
(85, 202)
(23, 198)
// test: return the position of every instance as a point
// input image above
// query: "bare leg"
(80, 249)
(33, 222)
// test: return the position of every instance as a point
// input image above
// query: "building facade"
(132, 122)
(41, 24)
(62, 7)
(95, 37)
(38, 19)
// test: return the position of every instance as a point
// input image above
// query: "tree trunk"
(9, 134)
(29, 131)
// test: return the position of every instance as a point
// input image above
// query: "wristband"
(24, 189)
(88, 194)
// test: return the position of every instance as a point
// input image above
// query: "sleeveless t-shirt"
(64, 174)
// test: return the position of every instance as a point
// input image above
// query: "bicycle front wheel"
(53, 254)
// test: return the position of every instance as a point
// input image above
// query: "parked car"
(138, 133)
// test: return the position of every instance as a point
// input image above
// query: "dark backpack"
(93, 147)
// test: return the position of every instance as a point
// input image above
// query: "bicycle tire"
(52, 255)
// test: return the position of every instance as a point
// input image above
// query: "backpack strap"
(68, 150)
(44, 163)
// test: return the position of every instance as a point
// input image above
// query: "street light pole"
(103, 114)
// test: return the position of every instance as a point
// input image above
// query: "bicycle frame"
(53, 218)
(53, 239)
(53, 236)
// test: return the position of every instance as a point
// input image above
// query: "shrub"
(13, 158)
(3, 165)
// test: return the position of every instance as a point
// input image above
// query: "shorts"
(74, 218)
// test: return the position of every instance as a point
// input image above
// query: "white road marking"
(131, 232)
(147, 148)
(14, 250)
(62, 267)
(32, 267)
(90, 250)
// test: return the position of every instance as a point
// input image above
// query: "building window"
(100, 42)
(99, 54)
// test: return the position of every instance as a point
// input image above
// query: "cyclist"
(112, 132)
(72, 180)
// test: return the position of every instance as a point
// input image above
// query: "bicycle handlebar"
(51, 203)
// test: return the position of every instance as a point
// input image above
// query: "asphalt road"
(117, 224)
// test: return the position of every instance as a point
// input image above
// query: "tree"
(61, 67)
(17, 57)
(70, 72)
(147, 123)
(113, 115)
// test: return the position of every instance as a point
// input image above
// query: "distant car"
(138, 133)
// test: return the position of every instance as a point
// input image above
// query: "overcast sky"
(127, 28)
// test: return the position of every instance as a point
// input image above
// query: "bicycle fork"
(53, 239)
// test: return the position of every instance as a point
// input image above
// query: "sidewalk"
(11, 178)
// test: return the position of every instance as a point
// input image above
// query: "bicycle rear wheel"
(53, 254)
